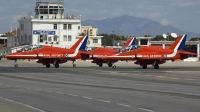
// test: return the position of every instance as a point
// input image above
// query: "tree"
(195, 39)
(158, 38)
(107, 40)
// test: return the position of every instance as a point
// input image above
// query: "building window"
(30, 38)
(49, 39)
(25, 38)
(69, 26)
(95, 40)
(15, 39)
(41, 39)
(79, 27)
(22, 27)
(45, 37)
(64, 37)
(22, 38)
(55, 26)
(69, 38)
(64, 26)
(55, 38)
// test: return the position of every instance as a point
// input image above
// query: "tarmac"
(7, 105)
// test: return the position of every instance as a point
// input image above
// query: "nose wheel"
(73, 64)
(114, 66)
(15, 64)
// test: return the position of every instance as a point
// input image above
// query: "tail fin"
(131, 41)
(179, 44)
(80, 44)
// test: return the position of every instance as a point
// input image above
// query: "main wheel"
(74, 65)
(156, 66)
(56, 65)
(109, 64)
(48, 65)
(144, 66)
(100, 65)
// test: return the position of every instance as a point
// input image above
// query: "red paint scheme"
(151, 55)
(52, 55)
(96, 54)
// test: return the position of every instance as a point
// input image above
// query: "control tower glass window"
(53, 10)
(43, 10)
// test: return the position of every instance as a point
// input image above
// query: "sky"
(181, 14)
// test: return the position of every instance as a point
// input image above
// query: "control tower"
(49, 10)
(49, 26)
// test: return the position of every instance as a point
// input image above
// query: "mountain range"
(134, 26)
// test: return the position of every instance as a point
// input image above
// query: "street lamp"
(120, 35)
(113, 38)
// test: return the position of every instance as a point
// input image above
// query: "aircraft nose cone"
(9, 56)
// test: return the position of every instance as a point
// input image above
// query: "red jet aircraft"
(104, 52)
(151, 55)
(52, 55)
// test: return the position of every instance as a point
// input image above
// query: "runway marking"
(72, 95)
(86, 97)
(38, 89)
(160, 76)
(148, 110)
(8, 85)
(60, 93)
(104, 101)
(48, 91)
(23, 104)
(123, 105)
(175, 78)
(26, 88)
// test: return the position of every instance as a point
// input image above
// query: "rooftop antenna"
(174, 35)
(164, 36)
(29, 14)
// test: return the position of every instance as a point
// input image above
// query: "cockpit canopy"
(29, 48)
(128, 48)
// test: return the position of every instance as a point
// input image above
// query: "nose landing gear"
(15, 64)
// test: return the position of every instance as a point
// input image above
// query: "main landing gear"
(15, 64)
(156, 66)
(56, 65)
(110, 64)
(101, 64)
(144, 66)
(48, 65)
